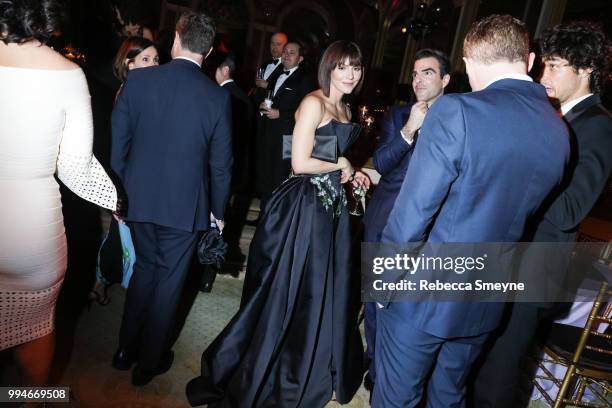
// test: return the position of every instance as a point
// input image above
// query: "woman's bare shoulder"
(57, 61)
(313, 103)
(35, 57)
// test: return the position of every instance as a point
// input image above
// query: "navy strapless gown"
(295, 338)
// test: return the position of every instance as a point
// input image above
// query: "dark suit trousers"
(497, 379)
(405, 355)
(163, 257)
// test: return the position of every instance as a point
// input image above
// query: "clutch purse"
(325, 148)
(211, 248)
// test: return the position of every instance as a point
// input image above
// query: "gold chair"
(587, 354)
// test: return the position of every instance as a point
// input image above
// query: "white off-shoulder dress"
(45, 128)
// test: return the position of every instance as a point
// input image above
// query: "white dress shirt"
(189, 59)
(227, 81)
(282, 78)
(522, 77)
(270, 68)
(566, 107)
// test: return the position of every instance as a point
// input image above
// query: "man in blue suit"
(483, 164)
(399, 130)
(171, 148)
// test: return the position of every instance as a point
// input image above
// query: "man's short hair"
(442, 58)
(229, 61)
(300, 49)
(583, 44)
(197, 31)
(497, 38)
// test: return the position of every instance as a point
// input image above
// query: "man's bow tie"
(286, 72)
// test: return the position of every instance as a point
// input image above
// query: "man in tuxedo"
(242, 120)
(470, 179)
(398, 135)
(171, 148)
(575, 59)
(289, 89)
(271, 68)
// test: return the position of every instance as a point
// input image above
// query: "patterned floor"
(87, 337)
(95, 384)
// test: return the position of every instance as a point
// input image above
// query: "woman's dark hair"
(335, 55)
(26, 20)
(583, 44)
(128, 51)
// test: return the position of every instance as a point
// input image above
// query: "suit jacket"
(484, 163)
(589, 168)
(391, 159)
(171, 145)
(271, 168)
(242, 131)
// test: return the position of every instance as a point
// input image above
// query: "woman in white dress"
(45, 129)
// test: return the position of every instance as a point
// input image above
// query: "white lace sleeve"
(85, 177)
(77, 168)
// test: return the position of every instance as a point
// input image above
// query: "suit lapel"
(579, 109)
(274, 76)
(288, 82)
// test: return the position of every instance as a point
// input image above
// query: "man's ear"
(301, 59)
(226, 71)
(585, 72)
(530, 61)
(208, 53)
(445, 80)
(176, 44)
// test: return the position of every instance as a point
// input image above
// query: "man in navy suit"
(399, 129)
(171, 148)
(484, 162)
(575, 59)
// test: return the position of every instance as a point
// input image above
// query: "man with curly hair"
(575, 61)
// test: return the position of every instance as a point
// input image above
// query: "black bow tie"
(273, 61)
(286, 72)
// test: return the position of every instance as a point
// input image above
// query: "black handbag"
(212, 249)
(325, 148)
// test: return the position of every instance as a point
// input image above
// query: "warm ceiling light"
(404, 29)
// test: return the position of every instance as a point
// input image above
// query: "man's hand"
(220, 223)
(261, 83)
(272, 113)
(415, 121)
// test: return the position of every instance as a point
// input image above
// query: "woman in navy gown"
(295, 342)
